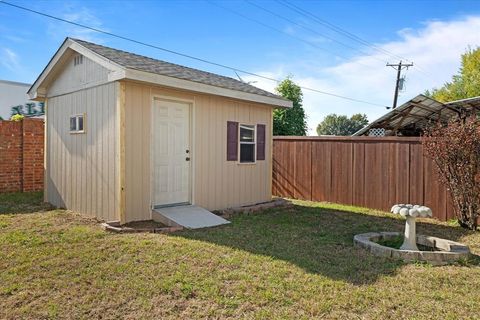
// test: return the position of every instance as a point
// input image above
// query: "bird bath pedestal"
(410, 242)
(411, 212)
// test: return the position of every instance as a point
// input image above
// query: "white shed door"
(171, 152)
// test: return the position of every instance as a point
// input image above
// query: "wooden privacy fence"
(363, 171)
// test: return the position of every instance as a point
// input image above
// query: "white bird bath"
(443, 251)
(411, 212)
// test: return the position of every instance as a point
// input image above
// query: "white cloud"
(435, 49)
(14, 38)
(81, 15)
(10, 60)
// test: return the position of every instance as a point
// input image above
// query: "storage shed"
(126, 134)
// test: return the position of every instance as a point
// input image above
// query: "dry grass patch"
(282, 263)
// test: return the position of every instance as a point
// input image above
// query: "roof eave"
(117, 72)
(172, 82)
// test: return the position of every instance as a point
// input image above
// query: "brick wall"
(21, 155)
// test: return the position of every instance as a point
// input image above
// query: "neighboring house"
(410, 118)
(127, 133)
(14, 100)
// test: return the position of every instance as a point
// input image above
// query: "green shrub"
(17, 117)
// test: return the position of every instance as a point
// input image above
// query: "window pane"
(80, 123)
(247, 133)
(73, 124)
(247, 152)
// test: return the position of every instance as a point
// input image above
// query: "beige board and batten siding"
(216, 183)
(82, 169)
(73, 77)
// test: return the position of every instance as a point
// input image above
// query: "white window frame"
(77, 116)
(254, 143)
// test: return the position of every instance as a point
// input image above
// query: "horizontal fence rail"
(370, 172)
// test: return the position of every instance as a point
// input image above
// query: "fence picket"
(371, 172)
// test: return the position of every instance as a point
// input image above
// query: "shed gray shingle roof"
(142, 63)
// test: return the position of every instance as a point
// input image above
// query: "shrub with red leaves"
(455, 150)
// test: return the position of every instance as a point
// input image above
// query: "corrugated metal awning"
(420, 111)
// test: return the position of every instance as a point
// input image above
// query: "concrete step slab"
(187, 216)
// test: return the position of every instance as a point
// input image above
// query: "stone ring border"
(450, 251)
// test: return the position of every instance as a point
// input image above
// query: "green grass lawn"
(289, 263)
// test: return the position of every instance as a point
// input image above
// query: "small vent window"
(77, 123)
(78, 59)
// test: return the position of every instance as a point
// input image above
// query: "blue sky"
(432, 34)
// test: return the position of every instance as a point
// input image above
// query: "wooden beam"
(270, 160)
(439, 112)
(395, 116)
(458, 112)
(474, 107)
(399, 124)
(427, 117)
(121, 151)
(46, 152)
(423, 107)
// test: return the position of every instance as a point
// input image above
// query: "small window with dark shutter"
(232, 141)
(261, 141)
(248, 140)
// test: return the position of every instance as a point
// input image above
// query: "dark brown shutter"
(232, 141)
(260, 142)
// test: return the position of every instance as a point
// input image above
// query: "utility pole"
(399, 68)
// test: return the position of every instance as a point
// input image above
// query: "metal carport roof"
(416, 113)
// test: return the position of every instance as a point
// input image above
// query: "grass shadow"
(18, 202)
(317, 239)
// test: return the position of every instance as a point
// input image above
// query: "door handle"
(187, 159)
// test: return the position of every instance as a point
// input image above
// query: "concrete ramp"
(187, 216)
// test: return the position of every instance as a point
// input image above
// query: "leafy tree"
(465, 84)
(291, 121)
(454, 149)
(338, 125)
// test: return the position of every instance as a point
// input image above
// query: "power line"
(323, 22)
(308, 29)
(279, 30)
(336, 28)
(182, 54)
(346, 33)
